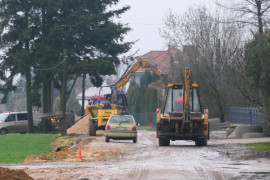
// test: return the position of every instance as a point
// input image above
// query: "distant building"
(163, 60)
(92, 91)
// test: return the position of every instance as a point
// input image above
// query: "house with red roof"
(164, 60)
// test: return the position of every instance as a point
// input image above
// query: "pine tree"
(257, 57)
(18, 32)
(143, 98)
(35, 33)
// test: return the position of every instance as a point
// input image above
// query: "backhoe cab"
(183, 117)
(101, 110)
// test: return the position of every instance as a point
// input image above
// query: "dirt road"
(146, 160)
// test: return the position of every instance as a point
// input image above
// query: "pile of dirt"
(10, 174)
(64, 154)
(80, 127)
(93, 152)
(98, 154)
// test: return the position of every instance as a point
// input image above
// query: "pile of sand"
(10, 174)
(80, 127)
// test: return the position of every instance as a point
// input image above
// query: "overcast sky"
(146, 18)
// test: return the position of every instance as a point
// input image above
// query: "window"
(11, 118)
(168, 105)
(177, 100)
(174, 101)
(3, 117)
(196, 103)
(95, 102)
(121, 119)
(22, 117)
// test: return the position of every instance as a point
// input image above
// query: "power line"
(146, 24)
(47, 69)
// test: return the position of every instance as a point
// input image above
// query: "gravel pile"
(80, 127)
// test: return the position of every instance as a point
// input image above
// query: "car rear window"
(22, 117)
(121, 119)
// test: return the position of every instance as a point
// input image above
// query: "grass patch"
(16, 147)
(260, 146)
(63, 141)
(149, 128)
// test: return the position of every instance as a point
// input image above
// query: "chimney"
(170, 49)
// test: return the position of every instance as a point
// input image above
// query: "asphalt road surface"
(146, 160)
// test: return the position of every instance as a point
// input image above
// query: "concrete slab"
(242, 129)
(253, 135)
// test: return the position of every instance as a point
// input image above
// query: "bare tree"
(213, 48)
(253, 12)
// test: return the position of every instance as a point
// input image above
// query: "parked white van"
(16, 122)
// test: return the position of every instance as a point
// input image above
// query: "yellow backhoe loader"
(182, 117)
(116, 101)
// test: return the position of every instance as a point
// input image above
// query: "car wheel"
(107, 139)
(3, 131)
(164, 141)
(135, 139)
(92, 128)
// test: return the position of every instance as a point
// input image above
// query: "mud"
(10, 174)
(221, 160)
(240, 152)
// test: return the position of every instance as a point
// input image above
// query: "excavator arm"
(187, 83)
(129, 73)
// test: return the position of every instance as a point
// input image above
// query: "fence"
(145, 118)
(248, 116)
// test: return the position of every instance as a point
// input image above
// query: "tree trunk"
(259, 14)
(83, 93)
(28, 78)
(47, 101)
(29, 101)
(63, 124)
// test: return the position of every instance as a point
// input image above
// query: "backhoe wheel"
(92, 128)
(107, 139)
(164, 142)
(201, 142)
(135, 139)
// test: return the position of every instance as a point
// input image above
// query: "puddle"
(230, 168)
(239, 164)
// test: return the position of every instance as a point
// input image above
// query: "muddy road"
(221, 159)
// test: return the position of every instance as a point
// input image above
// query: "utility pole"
(83, 93)
(63, 125)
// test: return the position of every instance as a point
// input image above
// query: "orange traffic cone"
(74, 142)
(79, 153)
